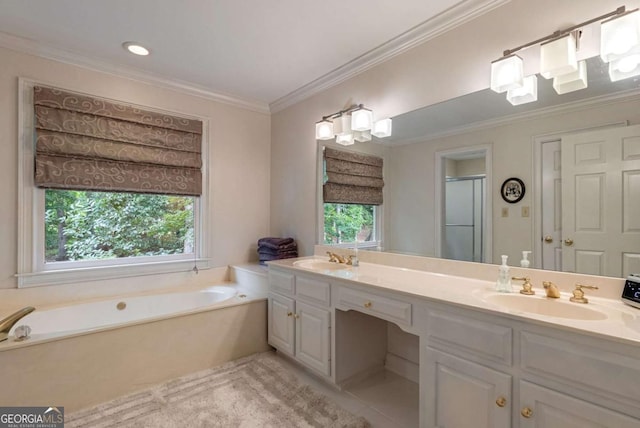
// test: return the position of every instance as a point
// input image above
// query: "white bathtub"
(97, 315)
(90, 352)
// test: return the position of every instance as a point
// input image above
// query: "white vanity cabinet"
(299, 319)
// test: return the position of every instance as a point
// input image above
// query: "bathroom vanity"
(486, 359)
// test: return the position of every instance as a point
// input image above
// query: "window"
(82, 225)
(74, 235)
(347, 223)
(349, 198)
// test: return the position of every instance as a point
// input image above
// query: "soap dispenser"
(503, 285)
(525, 259)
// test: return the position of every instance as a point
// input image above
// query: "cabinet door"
(541, 407)
(460, 393)
(313, 337)
(281, 323)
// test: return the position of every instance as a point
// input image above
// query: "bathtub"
(83, 354)
(86, 317)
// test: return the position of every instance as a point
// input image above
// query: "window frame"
(34, 271)
(376, 243)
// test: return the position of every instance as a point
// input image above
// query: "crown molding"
(463, 12)
(32, 47)
(601, 100)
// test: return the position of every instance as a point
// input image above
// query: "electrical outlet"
(525, 211)
(505, 212)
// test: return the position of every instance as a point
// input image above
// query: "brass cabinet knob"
(548, 239)
(296, 316)
(568, 242)
(368, 304)
(526, 412)
(501, 401)
(289, 314)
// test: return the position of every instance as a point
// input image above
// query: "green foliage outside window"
(102, 225)
(343, 222)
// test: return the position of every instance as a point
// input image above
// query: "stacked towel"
(276, 249)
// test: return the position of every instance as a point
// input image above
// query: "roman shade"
(89, 143)
(352, 178)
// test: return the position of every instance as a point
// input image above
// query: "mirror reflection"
(437, 204)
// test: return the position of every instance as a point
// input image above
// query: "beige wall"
(239, 147)
(453, 64)
(409, 214)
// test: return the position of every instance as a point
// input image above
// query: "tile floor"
(386, 400)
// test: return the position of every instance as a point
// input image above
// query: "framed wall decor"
(512, 190)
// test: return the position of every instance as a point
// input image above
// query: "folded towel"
(269, 257)
(291, 246)
(271, 251)
(275, 242)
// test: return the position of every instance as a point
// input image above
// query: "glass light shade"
(342, 125)
(625, 67)
(362, 136)
(506, 73)
(618, 36)
(361, 119)
(345, 139)
(382, 128)
(572, 81)
(135, 48)
(526, 94)
(558, 57)
(324, 130)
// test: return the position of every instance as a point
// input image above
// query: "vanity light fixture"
(352, 124)
(560, 57)
(136, 48)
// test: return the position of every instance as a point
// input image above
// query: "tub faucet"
(7, 323)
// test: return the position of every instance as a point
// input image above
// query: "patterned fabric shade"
(352, 178)
(89, 143)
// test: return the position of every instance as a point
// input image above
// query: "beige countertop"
(603, 317)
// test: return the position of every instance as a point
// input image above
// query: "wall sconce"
(559, 57)
(352, 124)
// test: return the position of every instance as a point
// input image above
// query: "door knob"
(548, 239)
(501, 401)
(526, 412)
(289, 314)
(568, 242)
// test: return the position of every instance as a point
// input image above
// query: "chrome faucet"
(551, 289)
(7, 323)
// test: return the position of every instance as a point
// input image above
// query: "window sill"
(67, 276)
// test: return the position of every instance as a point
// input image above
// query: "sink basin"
(320, 265)
(545, 306)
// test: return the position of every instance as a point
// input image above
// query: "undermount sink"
(321, 265)
(545, 306)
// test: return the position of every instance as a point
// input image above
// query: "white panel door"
(313, 337)
(465, 394)
(550, 409)
(601, 202)
(281, 323)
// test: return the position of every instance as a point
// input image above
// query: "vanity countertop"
(602, 317)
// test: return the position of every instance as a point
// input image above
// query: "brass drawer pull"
(526, 412)
(368, 304)
(501, 401)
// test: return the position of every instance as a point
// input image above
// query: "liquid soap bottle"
(525, 259)
(503, 285)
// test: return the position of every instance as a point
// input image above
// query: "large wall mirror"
(578, 156)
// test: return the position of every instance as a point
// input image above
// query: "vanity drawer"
(313, 291)
(465, 336)
(281, 282)
(386, 308)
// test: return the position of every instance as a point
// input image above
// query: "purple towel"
(273, 252)
(275, 243)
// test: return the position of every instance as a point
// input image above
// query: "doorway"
(463, 219)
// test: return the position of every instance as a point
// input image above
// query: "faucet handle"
(526, 285)
(353, 260)
(332, 257)
(578, 294)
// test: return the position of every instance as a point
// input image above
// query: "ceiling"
(254, 50)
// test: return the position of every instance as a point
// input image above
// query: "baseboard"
(403, 367)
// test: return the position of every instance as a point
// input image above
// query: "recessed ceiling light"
(135, 48)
